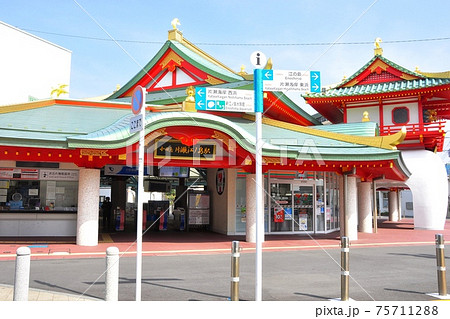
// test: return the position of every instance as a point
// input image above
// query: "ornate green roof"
(187, 54)
(417, 81)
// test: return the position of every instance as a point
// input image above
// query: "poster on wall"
(220, 181)
(303, 221)
(58, 175)
(328, 213)
(19, 173)
(278, 215)
(288, 213)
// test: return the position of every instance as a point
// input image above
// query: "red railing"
(415, 129)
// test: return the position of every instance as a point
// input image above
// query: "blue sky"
(308, 27)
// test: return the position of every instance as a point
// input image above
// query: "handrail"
(414, 129)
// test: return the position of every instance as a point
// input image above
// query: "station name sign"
(174, 149)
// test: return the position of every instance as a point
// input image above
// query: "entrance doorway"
(302, 206)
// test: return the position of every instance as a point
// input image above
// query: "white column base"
(88, 207)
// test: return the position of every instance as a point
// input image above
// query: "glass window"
(400, 115)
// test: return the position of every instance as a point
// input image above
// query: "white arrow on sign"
(200, 103)
(315, 76)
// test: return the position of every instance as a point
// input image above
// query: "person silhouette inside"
(107, 212)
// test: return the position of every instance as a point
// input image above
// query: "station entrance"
(305, 205)
(175, 199)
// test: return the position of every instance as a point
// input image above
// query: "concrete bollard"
(22, 274)
(235, 254)
(440, 260)
(344, 268)
(112, 274)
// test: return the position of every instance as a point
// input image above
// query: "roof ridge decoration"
(388, 142)
(176, 35)
(178, 64)
(380, 70)
(436, 75)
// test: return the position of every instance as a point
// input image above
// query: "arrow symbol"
(315, 76)
(268, 75)
(200, 104)
(315, 87)
(200, 92)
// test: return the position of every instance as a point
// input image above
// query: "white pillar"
(250, 208)
(393, 206)
(352, 208)
(88, 206)
(429, 186)
(365, 207)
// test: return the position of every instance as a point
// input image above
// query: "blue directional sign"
(291, 80)
(223, 99)
(200, 98)
(315, 81)
(267, 75)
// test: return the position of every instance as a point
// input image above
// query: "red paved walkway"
(164, 243)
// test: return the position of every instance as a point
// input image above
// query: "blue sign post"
(259, 108)
(282, 81)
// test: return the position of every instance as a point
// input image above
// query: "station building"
(318, 178)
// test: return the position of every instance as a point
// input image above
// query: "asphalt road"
(405, 273)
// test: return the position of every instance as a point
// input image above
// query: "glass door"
(281, 207)
(304, 202)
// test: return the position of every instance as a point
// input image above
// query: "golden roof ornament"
(190, 91)
(61, 89)
(174, 23)
(378, 49)
(365, 117)
(242, 72)
(189, 103)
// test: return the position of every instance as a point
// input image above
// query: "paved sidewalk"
(177, 243)
(7, 294)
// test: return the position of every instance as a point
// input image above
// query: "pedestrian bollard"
(22, 274)
(440, 260)
(344, 268)
(112, 274)
(235, 254)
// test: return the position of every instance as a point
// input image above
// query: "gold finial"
(365, 117)
(117, 87)
(242, 72)
(190, 91)
(344, 78)
(189, 102)
(378, 49)
(417, 69)
(61, 89)
(174, 23)
(269, 64)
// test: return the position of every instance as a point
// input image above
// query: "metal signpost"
(271, 80)
(257, 59)
(137, 124)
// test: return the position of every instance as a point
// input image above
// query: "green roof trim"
(422, 82)
(385, 60)
(278, 141)
(380, 88)
(49, 126)
(187, 54)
